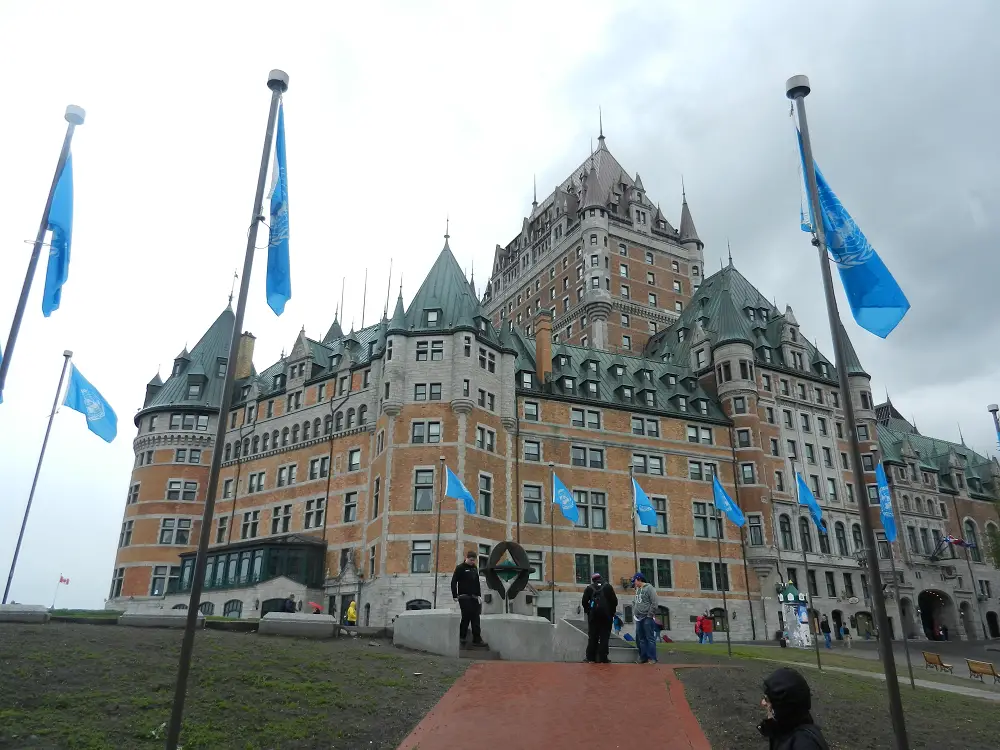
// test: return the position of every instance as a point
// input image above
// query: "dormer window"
(680, 336)
(751, 313)
(220, 370)
(627, 393)
(592, 389)
(702, 405)
(619, 371)
(431, 318)
(245, 391)
(766, 352)
(592, 366)
(763, 314)
(279, 381)
(482, 325)
(194, 390)
(562, 360)
(794, 334)
(178, 366)
(671, 380)
(682, 403)
(569, 383)
(650, 398)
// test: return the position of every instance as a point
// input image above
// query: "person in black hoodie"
(789, 725)
(465, 590)
(599, 605)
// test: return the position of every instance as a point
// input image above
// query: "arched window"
(284, 436)
(207, 609)
(362, 414)
(972, 539)
(785, 525)
(859, 542)
(327, 424)
(246, 446)
(232, 608)
(918, 504)
(906, 502)
(340, 421)
(305, 430)
(841, 533)
(824, 539)
(274, 440)
(805, 535)
(236, 450)
(295, 433)
(350, 418)
(662, 616)
(316, 424)
(256, 444)
(265, 442)
(229, 451)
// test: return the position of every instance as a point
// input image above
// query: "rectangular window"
(423, 489)
(350, 507)
(532, 503)
(743, 438)
(740, 405)
(775, 448)
(353, 459)
(848, 584)
(747, 473)
(756, 527)
(532, 450)
(220, 534)
(251, 521)
(660, 507)
(420, 392)
(133, 494)
(707, 521)
(485, 495)
(827, 458)
(530, 411)
(281, 519)
(420, 557)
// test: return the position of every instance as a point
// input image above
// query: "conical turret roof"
(687, 231)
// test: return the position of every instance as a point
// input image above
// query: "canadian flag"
(64, 580)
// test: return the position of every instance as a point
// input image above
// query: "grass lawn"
(837, 658)
(853, 711)
(80, 686)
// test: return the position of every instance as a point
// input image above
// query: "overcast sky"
(399, 114)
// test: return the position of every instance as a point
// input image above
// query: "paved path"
(524, 706)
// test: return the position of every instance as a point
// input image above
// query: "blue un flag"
(643, 508)
(279, 278)
(60, 222)
(885, 504)
(724, 503)
(808, 499)
(564, 499)
(81, 396)
(877, 302)
(455, 489)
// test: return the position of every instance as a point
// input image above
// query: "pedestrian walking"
(466, 591)
(846, 632)
(707, 627)
(599, 603)
(789, 724)
(643, 608)
(698, 631)
(824, 628)
(352, 614)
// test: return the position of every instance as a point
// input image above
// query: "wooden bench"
(934, 661)
(979, 668)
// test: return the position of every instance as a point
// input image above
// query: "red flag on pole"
(64, 580)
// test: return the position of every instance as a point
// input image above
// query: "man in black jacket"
(599, 605)
(465, 590)
(789, 725)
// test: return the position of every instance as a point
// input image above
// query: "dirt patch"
(853, 711)
(79, 686)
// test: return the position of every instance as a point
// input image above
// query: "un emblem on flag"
(94, 406)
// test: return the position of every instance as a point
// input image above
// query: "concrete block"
(432, 630)
(171, 618)
(570, 645)
(30, 613)
(519, 637)
(297, 624)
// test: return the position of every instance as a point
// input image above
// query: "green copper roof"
(201, 364)
(850, 356)
(732, 326)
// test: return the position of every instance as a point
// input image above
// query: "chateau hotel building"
(598, 345)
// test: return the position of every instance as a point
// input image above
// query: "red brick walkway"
(523, 706)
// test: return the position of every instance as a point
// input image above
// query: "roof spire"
(600, 121)
(684, 195)
(730, 247)
(447, 230)
(960, 435)
(534, 192)
(233, 287)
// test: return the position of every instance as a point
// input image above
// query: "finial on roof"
(600, 121)
(233, 287)
(336, 313)
(534, 192)
(960, 435)
(730, 248)
(447, 230)
(684, 195)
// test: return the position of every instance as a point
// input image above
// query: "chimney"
(543, 345)
(244, 356)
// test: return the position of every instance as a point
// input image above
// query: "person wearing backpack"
(599, 604)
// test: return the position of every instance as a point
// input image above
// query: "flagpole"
(902, 625)
(805, 564)
(74, 116)
(278, 83)
(796, 89)
(725, 581)
(552, 536)
(56, 593)
(68, 355)
(635, 548)
(743, 539)
(437, 539)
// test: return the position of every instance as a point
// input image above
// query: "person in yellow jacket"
(352, 614)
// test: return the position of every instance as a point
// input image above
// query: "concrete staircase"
(620, 651)
(477, 652)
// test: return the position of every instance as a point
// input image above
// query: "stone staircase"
(620, 651)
